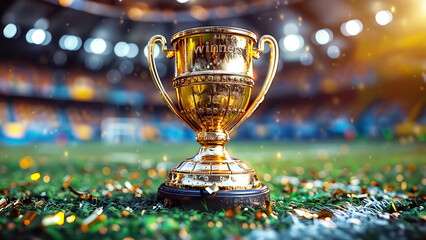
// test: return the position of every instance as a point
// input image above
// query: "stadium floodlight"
(182, 1)
(70, 42)
(384, 17)
(10, 30)
(323, 36)
(38, 36)
(133, 50)
(293, 42)
(98, 46)
(121, 49)
(351, 28)
(333, 51)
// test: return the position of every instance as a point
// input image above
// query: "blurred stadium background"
(73, 71)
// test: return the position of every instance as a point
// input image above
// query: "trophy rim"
(214, 29)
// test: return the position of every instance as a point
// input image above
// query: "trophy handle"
(154, 73)
(269, 77)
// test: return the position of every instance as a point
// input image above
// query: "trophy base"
(222, 199)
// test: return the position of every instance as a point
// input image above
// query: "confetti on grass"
(341, 204)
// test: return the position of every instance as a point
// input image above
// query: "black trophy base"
(202, 200)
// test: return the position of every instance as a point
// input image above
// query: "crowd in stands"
(27, 80)
(42, 121)
(39, 103)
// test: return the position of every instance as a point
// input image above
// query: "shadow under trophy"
(213, 83)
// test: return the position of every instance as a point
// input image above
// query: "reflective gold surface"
(213, 83)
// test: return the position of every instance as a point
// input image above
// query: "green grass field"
(334, 189)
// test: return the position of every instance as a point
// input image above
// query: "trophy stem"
(211, 153)
(212, 146)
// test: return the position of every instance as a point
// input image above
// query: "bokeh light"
(199, 13)
(35, 176)
(38, 36)
(293, 42)
(26, 162)
(98, 46)
(133, 50)
(70, 42)
(323, 36)
(66, 3)
(383, 17)
(10, 30)
(351, 28)
(121, 49)
(333, 51)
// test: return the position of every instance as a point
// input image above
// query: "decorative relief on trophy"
(213, 84)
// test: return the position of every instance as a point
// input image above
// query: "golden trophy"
(213, 83)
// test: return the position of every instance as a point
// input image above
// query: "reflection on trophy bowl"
(213, 83)
(213, 103)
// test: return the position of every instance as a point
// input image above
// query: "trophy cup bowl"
(213, 83)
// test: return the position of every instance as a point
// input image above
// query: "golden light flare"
(60, 218)
(210, 224)
(35, 176)
(65, 3)
(200, 13)
(106, 171)
(53, 219)
(46, 178)
(152, 173)
(135, 13)
(267, 177)
(70, 219)
(26, 162)
(278, 155)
